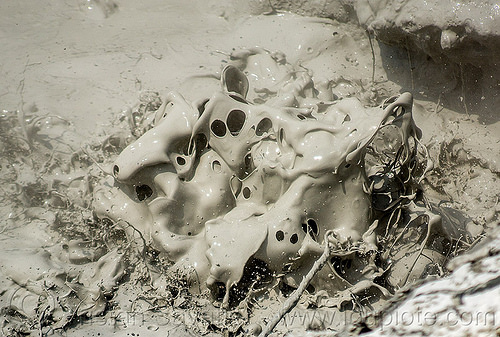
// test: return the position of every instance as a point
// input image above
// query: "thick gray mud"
(117, 217)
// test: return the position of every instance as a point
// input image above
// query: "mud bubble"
(238, 189)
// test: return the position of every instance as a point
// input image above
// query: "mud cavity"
(266, 176)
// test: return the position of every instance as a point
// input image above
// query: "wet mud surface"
(175, 169)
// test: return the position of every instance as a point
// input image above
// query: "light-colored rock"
(463, 304)
(464, 32)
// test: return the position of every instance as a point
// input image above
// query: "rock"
(452, 47)
(465, 32)
(462, 304)
(461, 32)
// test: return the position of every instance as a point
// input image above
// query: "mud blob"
(217, 183)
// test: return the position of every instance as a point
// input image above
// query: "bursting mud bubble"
(256, 174)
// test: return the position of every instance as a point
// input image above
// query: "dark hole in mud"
(311, 289)
(313, 226)
(286, 289)
(174, 292)
(183, 147)
(201, 107)
(239, 99)
(405, 174)
(218, 290)
(294, 239)
(301, 117)
(287, 267)
(280, 236)
(200, 142)
(387, 189)
(181, 161)
(216, 166)
(246, 193)
(265, 125)
(256, 275)
(116, 170)
(248, 165)
(143, 192)
(381, 202)
(305, 228)
(347, 118)
(399, 111)
(235, 81)
(346, 306)
(341, 265)
(235, 121)
(218, 128)
(281, 135)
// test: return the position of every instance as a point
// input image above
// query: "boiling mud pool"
(210, 194)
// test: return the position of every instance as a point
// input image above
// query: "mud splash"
(262, 170)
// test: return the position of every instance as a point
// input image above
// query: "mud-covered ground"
(81, 80)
